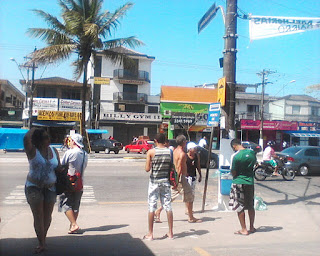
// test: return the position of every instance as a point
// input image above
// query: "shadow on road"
(191, 232)
(268, 228)
(103, 228)
(116, 244)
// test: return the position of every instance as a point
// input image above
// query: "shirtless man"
(183, 188)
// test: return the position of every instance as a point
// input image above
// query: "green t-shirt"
(243, 163)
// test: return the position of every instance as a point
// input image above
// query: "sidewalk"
(117, 229)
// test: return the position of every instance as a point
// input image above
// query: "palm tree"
(84, 31)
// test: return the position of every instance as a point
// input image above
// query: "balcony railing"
(127, 74)
(127, 97)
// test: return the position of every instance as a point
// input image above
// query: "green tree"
(84, 30)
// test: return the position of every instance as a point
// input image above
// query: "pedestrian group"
(44, 163)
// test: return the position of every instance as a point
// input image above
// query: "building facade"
(11, 105)
(122, 103)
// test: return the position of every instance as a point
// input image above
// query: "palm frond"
(53, 53)
(91, 31)
(50, 36)
(51, 20)
(113, 21)
(131, 42)
(78, 68)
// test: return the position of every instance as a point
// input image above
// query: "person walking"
(69, 202)
(159, 162)
(203, 142)
(40, 188)
(242, 188)
(183, 188)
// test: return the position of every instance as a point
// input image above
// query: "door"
(313, 158)
(130, 92)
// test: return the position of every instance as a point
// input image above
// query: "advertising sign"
(102, 80)
(182, 118)
(269, 125)
(44, 103)
(214, 115)
(59, 115)
(222, 91)
(72, 105)
(129, 116)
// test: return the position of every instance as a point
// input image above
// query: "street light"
(292, 81)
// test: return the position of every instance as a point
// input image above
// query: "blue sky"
(182, 56)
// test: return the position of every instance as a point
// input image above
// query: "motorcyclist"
(269, 156)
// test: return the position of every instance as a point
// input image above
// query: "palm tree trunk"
(84, 97)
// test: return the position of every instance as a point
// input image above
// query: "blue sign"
(209, 15)
(214, 115)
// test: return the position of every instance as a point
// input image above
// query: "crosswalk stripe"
(17, 196)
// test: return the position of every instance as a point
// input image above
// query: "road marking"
(201, 251)
(133, 202)
(17, 196)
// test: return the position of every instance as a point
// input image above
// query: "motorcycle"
(263, 170)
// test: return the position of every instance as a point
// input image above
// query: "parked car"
(140, 146)
(106, 145)
(214, 159)
(303, 159)
(251, 145)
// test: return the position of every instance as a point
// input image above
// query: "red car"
(140, 146)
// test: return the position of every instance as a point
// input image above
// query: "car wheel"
(116, 151)
(107, 150)
(128, 150)
(144, 151)
(304, 170)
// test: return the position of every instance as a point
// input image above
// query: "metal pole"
(262, 110)
(229, 62)
(207, 173)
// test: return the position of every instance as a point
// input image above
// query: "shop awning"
(54, 123)
(96, 131)
(304, 134)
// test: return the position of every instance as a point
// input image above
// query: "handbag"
(75, 180)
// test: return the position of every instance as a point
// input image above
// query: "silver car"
(303, 159)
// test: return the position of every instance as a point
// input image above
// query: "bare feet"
(240, 232)
(169, 236)
(275, 174)
(194, 220)
(252, 230)
(39, 249)
(148, 237)
(157, 219)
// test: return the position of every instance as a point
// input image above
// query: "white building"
(122, 103)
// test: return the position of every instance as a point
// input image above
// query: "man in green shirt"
(242, 189)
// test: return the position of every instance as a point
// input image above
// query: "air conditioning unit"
(167, 112)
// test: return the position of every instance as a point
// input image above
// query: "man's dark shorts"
(70, 201)
(241, 197)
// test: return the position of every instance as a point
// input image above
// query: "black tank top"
(192, 165)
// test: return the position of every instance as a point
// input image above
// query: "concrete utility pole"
(229, 64)
(264, 73)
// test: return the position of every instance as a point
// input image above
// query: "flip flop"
(147, 238)
(195, 221)
(239, 233)
(76, 231)
(167, 237)
(157, 219)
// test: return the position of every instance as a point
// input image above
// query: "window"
(2, 95)
(152, 109)
(253, 108)
(43, 92)
(315, 111)
(97, 66)
(296, 110)
(311, 152)
(71, 94)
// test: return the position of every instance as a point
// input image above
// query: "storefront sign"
(307, 126)
(182, 118)
(123, 81)
(269, 125)
(59, 115)
(128, 116)
(45, 103)
(72, 105)
(183, 107)
(102, 80)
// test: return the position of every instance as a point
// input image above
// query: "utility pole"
(229, 64)
(264, 73)
(32, 90)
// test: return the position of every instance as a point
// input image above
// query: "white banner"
(72, 105)
(270, 26)
(128, 116)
